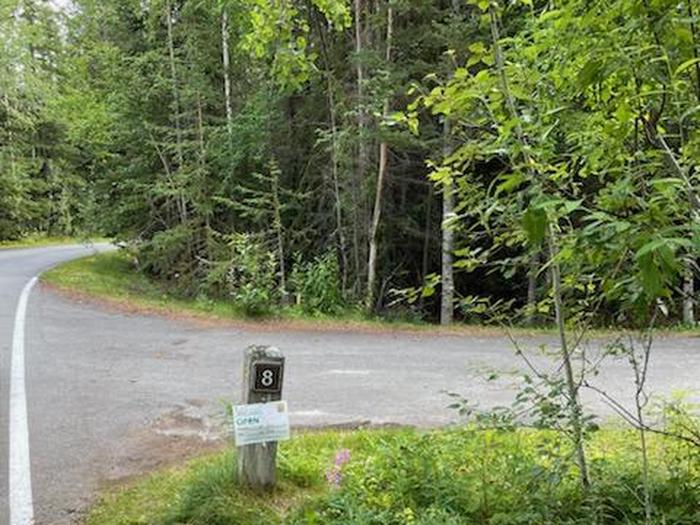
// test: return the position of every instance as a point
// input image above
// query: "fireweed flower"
(334, 475)
(342, 457)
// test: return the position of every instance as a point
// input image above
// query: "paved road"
(111, 395)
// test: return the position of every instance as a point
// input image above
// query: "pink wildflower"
(334, 475)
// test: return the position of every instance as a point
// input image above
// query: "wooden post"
(263, 371)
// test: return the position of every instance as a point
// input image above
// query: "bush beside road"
(112, 277)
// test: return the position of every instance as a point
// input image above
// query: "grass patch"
(112, 276)
(443, 477)
(35, 241)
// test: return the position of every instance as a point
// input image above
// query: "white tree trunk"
(279, 233)
(689, 295)
(182, 204)
(447, 280)
(173, 81)
(225, 55)
(359, 214)
(381, 176)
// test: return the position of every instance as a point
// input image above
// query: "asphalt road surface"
(111, 395)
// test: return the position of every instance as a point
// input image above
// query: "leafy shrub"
(505, 478)
(316, 285)
(251, 275)
(241, 267)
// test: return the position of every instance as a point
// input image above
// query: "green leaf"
(623, 114)
(571, 206)
(649, 276)
(663, 244)
(535, 225)
(428, 291)
(510, 182)
(477, 47)
(590, 73)
(687, 64)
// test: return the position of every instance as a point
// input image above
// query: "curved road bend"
(111, 395)
(17, 268)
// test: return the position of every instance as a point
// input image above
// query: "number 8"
(268, 377)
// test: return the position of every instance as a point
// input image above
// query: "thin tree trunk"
(572, 390)
(277, 206)
(336, 186)
(372, 261)
(225, 54)
(693, 32)
(202, 166)
(173, 81)
(342, 245)
(11, 139)
(689, 295)
(182, 205)
(202, 155)
(200, 131)
(447, 280)
(645, 459)
(575, 411)
(381, 176)
(688, 278)
(426, 242)
(640, 366)
(362, 161)
(532, 287)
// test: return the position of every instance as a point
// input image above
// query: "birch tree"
(381, 176)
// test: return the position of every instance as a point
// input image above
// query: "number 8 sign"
(268, 377)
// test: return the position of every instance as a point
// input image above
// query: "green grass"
(444, 477)
(112, 276)
(35, 241)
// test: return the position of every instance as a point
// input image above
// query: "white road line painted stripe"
(21, 506)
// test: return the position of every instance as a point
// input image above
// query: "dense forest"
(418, 158)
